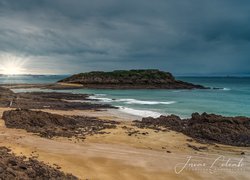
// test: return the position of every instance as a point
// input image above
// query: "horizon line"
(176, 75)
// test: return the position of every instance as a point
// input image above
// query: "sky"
(185, 37)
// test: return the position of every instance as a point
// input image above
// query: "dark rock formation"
(205, 127)
(133, 79)
(4, 92)
(13, 167)
(50, 125)
(48, 100)
(55, 95)
(6, 96)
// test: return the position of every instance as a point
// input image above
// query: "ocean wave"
(135, 101)
(226, 89)
(141, 113)
(131, 101)
(221, 89)
(101, 94)
(102, 99)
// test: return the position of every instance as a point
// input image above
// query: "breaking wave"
(141, 113)
(130, 101)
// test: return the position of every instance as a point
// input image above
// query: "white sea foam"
(135, 101)
(131, 101)
(226, 89)
(141, 113)
(102, 99)
(101, 94)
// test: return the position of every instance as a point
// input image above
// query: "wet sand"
(147, 154)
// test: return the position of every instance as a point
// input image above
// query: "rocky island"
(132, 79)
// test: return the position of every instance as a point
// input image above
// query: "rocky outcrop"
(6, 97)
(48, 100)
(207, 128)
(14, 167)
(4, 92)
(133, 79)
(50, 125)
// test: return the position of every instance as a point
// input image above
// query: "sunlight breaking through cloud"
(12, 64)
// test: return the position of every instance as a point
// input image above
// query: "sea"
(232, 99)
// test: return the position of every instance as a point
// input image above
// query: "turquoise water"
(232, 100)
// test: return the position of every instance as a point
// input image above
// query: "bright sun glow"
(11, 65)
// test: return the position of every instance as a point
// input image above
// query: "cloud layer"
(184, 37)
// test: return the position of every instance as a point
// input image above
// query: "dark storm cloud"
(185, 37)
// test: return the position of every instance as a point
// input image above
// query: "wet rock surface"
(56, 95)
(48, 100)
(14, 167)
(52, 125)
(205, 128)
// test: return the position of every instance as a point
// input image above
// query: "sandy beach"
(117, 155)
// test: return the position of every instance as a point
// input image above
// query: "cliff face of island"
(133, 79)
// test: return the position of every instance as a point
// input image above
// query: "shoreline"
(126, 151)
(119, 151)
(68, 86)
(126, 111)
